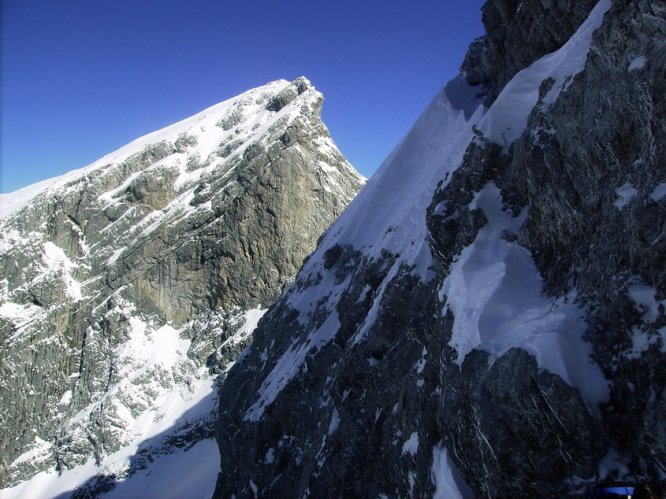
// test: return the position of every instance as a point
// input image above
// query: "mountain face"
(487, 318)
(128, 285)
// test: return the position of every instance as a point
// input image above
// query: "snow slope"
(211, 127)
(15, 201)
(492, 280)
(162, 395)
(390, 213)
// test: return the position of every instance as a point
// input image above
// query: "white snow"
(507, 118)
(638, 62)
(182, 475)
(411, 445)
(645, 299)
(14, 201)
(54, 259)
(19, 315)
(625, 194)
(494, 292)
(420, 364)
(50, 484)
(161, 392)
(335, 421)
(55, 256)
(371, 317)
(640, 341)
(447, 479)
(389, 215)
(250, 320)
(197, 468)
(255, 121)
(614, 464)
(289, 365)
(253, 487)
(659, 192)
(116, 254)
(66, 398)
(147, 349)
(39, 450)
(411, 478)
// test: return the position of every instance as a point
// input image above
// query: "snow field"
(160, 394)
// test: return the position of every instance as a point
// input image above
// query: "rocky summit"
(487, 318)
(129, 285)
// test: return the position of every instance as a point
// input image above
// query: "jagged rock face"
(517, 34)
(488, 317)
(132, 277)
(599, 179)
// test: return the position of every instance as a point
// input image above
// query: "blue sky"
(81, 78)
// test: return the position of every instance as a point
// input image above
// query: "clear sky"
(81, 78)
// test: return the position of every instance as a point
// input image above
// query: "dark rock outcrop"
(361, 381)
(518, 32)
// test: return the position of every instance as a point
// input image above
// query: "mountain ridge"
(502, 336)
(131, 283)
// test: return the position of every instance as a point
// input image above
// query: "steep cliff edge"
(488, 317)
(127, 285)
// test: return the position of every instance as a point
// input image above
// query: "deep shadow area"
(158, 454)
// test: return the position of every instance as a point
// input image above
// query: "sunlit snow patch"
(55, 259)
(507, 118)
(162, 394)
(494, 292)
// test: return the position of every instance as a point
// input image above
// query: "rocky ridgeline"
(517, 34)
(507, 336)
(142, 275)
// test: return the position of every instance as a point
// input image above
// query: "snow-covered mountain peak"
(207, 139)
(126, 285)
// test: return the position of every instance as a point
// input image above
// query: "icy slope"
(129, 284)
(451, 321)
(390, 216)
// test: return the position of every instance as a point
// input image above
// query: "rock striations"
(127, 285)
(487, 318)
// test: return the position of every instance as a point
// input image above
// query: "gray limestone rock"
(165, 234)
